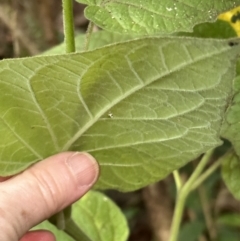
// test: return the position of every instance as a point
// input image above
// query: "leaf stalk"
(183, 193)
(210, 170)
(88, 35)
(177, 179)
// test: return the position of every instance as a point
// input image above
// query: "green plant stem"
(88, 35)
(68, 26)
(60, 220)
(177, 216)
(73, 230)
(183, 194)
(177, 180)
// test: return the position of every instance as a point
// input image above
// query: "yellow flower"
(233, 17)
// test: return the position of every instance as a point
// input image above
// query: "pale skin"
(41, 191)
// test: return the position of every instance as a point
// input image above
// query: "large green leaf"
(142, 108)
(153, 16)
(231, 174)
(100, 218)
(97, 216)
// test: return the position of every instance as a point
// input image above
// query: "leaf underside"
(154, 17)
(142, 108)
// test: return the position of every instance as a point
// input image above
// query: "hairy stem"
(68, 26)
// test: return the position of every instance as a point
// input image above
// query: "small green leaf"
(97, 216)
(59, 234)
(100, 218)
(142, 108)
(150, 17)
(231, 174)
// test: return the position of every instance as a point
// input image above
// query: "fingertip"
(38, 235)
(84, 168)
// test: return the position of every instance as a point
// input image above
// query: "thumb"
(42, 190)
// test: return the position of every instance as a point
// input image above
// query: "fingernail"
(84, 167)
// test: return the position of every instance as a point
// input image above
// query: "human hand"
(41, 191)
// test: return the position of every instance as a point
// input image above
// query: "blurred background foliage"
(30, 27)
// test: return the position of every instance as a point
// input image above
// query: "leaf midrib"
(133, 90)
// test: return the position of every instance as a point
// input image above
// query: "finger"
(40, 235)
(44, 189)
